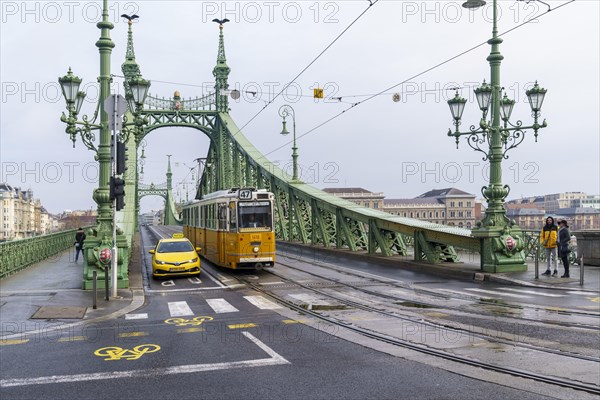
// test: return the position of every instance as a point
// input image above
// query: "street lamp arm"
(475, 141)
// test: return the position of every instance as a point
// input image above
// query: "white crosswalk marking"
(518, 296)
(580, 293)
(136, 316)
(179, 309)
(221, 306)
(262, 303)
(533, 292)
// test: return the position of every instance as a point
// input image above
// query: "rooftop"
(445, 193)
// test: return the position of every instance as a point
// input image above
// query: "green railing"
(533, 246)
(16, 255)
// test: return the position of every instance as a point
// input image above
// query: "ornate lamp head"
(483, 94)
(70, 86)
(536, 97)
(457, 106)
(506, 107)
(284, 131)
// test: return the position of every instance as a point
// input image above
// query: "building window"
(451, 204)
(460, 224)
(468, 204)
(452, 214)
(417, 215)
(460, 203)
(375, 205)
(404, 214)
(469, 214)
(411, 215)
(460, 214)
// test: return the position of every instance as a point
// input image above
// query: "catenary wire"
(414, 76)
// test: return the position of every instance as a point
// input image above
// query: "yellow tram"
(234, 228)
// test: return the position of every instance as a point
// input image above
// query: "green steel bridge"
(303, 213)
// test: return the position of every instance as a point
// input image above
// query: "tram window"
(232, 217)
(255, 215)
(222, 216)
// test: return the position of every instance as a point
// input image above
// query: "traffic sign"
(118, 103)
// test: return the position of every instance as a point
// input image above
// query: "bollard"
(537, 261)
(581, 270)
(95, 287)
(106, 283)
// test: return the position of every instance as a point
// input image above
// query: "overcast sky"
(399, 148)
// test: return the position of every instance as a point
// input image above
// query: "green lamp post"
(100, 236)
(501, 239)
(284, 112)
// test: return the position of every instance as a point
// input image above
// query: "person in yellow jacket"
(548, 239)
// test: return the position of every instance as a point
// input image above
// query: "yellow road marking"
(74, 338)
(241, 326)
(594, 299)
(13, 341)
(113, 353)
(293, 321)
(555, 309)
(189, 330)
(133, 334)
(434, 314)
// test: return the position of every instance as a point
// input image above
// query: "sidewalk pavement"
(51, 292)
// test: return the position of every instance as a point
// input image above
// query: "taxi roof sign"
(177, 236)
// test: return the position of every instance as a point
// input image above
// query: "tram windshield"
(256, 214)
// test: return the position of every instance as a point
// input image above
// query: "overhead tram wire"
(371, 3)
(416, 76)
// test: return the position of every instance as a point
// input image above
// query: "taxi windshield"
(174, 247)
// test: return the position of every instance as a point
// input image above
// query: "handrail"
(19, 254)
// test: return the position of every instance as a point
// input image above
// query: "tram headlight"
(255, 249)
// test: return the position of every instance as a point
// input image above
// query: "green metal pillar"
(101, 235)
(498, 255)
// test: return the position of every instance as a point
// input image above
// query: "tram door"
(222, 232)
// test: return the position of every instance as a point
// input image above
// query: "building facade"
(21, 215)
(360, 196)
(449, 206)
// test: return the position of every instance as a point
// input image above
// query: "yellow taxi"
(175, 256)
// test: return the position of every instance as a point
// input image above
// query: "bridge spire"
(221, 72)
(130, 67)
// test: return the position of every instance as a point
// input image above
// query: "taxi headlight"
(255, 249)
(160, 262)
(193, 260)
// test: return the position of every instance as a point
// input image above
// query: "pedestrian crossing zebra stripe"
(533, 292)
(179, 309)
(221, 306)
(262, 303)
(495, 292)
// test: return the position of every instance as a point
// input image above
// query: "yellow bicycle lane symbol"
(115, 353)
(184, 322)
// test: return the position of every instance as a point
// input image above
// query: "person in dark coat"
(563, 245)
(79, 239)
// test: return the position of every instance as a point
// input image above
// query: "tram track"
(450, 329)
(399, 285)
(540, 377)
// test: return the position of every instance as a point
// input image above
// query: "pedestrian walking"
(564, 237)
(548, 239)
(79, 239)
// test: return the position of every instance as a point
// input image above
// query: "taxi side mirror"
(151, 251)
(198, 249)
